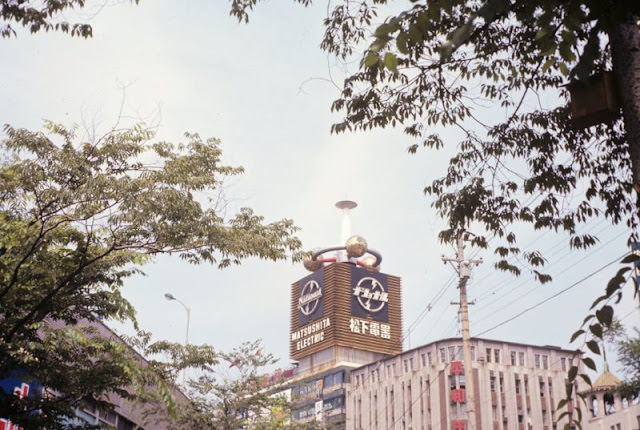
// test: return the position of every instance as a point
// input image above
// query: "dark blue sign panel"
(15, 385)
(310, 303)
(369, 294)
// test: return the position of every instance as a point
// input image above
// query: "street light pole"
(171, 297)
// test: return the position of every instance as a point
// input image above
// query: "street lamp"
(171, 297)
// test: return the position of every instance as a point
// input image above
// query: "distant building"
(126, 415)
(517, 386)
(342, 317)
(607, 409)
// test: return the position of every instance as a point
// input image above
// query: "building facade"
(125, 415)
(608, 410)
(342, 317)
(517, 386)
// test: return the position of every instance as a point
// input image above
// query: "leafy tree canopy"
(77, 219)
(225, 388)
(629, 357)
(47, 15)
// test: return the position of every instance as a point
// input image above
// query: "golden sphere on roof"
(356, 246)
(311, 265)
(369, 262)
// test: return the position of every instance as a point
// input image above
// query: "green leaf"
(371, 59)
(415, 34)
(547, 64)
(593, 347)
(596, 329)
(631, 258)
(605, 315)
(598, 300)
(589, 363)
(401, 42)
(385, 29)
(391, 62)
(573, 371)
(576, 335)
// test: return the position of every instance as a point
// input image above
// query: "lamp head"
(169, 296)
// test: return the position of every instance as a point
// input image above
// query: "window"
(429, 360)
(452, 353)
(536, 360)
(453, 382)
(443, 355)
(411, 363)
(496, 355)
(542, 390)
(513, 358)
(545, 361)
(563, 364)
(373, 376)
(517, 385)
(492, 383)
(125, 424)
(335, 379)
(502, 385)
(488, 355)
(521, 358)
(389, 370)
(473, 353)
(406, 367)
(424, 360)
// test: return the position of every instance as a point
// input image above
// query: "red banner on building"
(458, 395)
(456, 368)
(459, 424)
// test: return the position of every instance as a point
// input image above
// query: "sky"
(264, 89)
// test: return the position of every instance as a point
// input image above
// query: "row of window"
(310, 410)
(312, 388)
(455, 353)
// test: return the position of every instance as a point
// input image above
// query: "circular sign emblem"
(371, 294)
(309, 297)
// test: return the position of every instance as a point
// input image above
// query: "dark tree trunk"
(625, 52)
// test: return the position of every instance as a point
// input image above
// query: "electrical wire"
(530, 308)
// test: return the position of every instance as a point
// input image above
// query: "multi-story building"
(517, 386)
(342, 317)
(125, 415)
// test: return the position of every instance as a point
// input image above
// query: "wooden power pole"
(463, 268)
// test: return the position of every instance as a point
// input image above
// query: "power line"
(530, 308)
(525, 282)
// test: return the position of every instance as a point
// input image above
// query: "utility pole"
(464, 272)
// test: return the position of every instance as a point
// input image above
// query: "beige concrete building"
(517, 386)
(607, 409)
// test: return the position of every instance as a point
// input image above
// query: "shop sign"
(369, 295)
(310, 334)
(372, 328)
(310, 301)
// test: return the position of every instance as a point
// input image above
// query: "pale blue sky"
(188, 66)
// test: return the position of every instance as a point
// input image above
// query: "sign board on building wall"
(15, 385)
(342, 304)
